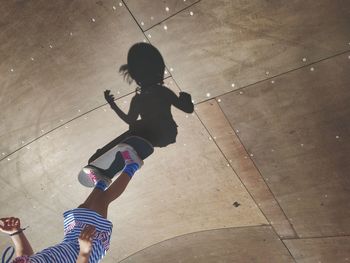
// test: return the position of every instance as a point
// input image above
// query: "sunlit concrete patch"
(219, 46)
(185, 187)
(56, 59)
(331, 249)
(150, 13)
(296, 132)
(247, 244)
(228, 141)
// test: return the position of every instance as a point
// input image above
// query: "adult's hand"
(10, 225)
(86, 239)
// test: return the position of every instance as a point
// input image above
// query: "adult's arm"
(85, 243)
(83, 258)
(22, 245)
(12, 227)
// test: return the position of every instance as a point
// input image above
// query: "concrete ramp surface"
(259, 171)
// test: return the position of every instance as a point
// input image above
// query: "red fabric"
(22, 259)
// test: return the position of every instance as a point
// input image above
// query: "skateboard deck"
(111, 163)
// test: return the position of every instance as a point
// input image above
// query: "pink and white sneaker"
(130, 155)
(93, 175)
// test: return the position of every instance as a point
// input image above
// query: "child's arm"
(183, 102)
(11, 225)
(85, 243)
(128, 118)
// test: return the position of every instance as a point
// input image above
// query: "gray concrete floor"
(270, 132)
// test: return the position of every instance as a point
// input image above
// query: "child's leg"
(99, 199)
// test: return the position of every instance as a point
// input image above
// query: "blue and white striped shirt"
(68, 250)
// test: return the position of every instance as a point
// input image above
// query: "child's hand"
(10, 225)
(185, 96)
(86, 238)
(109, 97)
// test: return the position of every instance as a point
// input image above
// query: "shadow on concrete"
(149, 114)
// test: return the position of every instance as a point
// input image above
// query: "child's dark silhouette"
(152, 101)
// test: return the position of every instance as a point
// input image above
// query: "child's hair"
(145, 65)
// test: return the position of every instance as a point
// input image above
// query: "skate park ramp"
(259, 171)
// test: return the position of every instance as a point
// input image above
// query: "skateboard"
(111, 163)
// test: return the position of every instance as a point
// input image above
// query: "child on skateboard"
(152, 101)
(87, 231)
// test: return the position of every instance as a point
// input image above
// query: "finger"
(87, 228)
(83, 235)
(91, 231)
(92, 228)
(14, 221)
(86, 237)
(8, 222)
(84, 232)
(17, 222)
(3, 220)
